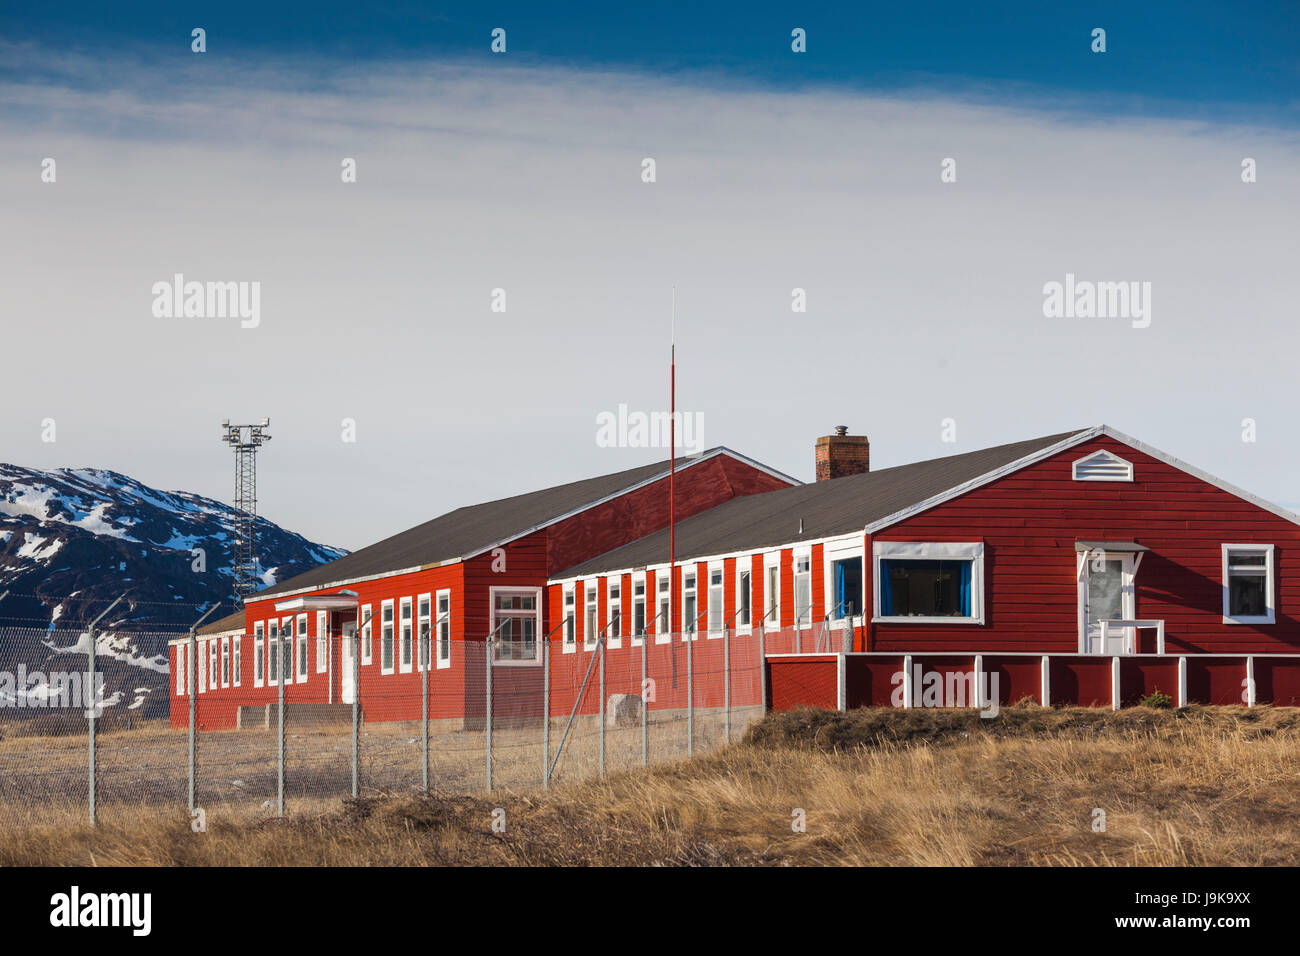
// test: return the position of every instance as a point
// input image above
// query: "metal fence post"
(93, 691)
(190, 652)
(546, 713)
(356, 712)
(286, 660)
(487, 722)
(601, 708)
(690, 694)
(426, 650)
(577, 702)
(726, 681)
(90, 716)
(645, 705)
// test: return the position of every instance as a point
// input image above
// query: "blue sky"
(1215, 61)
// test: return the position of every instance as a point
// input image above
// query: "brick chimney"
(842, 454)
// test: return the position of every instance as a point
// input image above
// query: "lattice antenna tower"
(245, 440)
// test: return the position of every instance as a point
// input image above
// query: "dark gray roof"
(231, 622)
(468, 531)
(837, 506)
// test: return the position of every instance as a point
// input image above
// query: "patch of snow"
(32, 547)
(94, 523)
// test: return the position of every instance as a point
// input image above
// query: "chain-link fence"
(84, 725)
(295, 720)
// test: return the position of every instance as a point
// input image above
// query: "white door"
(1106, 594)
(347, 688)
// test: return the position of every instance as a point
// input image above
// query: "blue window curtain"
(886, 590)
(840, 596)
(885, 584)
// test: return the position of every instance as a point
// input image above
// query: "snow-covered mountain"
(73, 539)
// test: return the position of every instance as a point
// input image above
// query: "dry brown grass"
(1195, 787)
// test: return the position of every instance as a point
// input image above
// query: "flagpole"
(672, 467)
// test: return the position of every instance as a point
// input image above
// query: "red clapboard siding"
(1029, 521)
(803, 682)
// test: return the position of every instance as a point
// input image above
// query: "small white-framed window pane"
(444, 627)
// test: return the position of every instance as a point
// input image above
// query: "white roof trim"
(994, 475)
(1203, 475)
(323, 602)
(848, 539)
(685, 463)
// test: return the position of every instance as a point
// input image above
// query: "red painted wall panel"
(803, 682)
(645, 510)
(1215, 680)
(1139, 678)
(1081, 681)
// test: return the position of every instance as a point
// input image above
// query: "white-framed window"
(225, 662)
(259, 654)
(638, 609)
(322, 641)
(590, 632)
(690, 606)
(180, 670)
(614, 612)
(424, 620)
(1248, 584)
(237, 659)
(717, 605)
(214, 664)
(202, 651)
(744, 593)
(570, 622)
(929, 582)
(302, 648)
(386, 625)
(772, 590)
(444, 628)
(405, 634)
(516, 622)
(273, 654)
(663, 616)
(1102, 466)
(842, 564)
(803, 589)
(367, 634)
(286, 649)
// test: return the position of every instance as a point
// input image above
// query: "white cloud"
(924, 299)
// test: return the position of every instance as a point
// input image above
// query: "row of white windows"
(275, 642)
(917, 582)
(741, 617)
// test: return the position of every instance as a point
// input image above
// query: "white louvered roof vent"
(1103, 466)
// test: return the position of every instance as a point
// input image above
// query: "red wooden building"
(428, 597)
(1083, 567)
